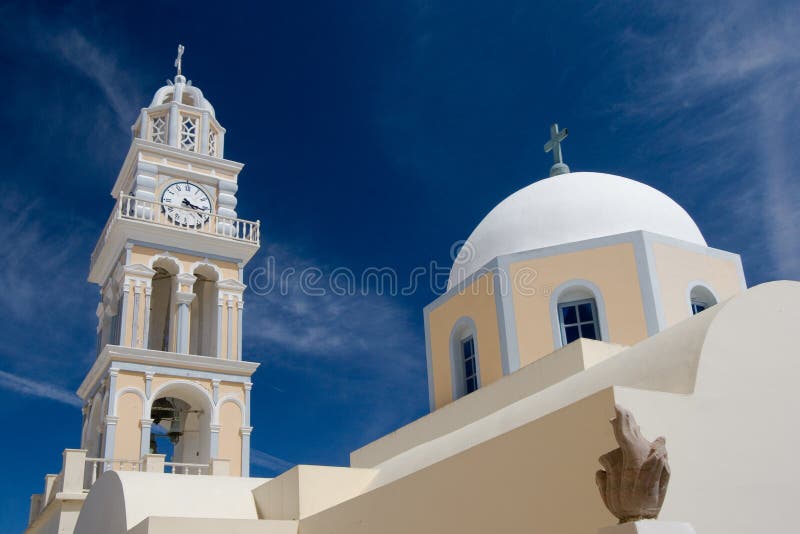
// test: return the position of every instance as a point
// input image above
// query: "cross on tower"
(554, 144)
(178, 60)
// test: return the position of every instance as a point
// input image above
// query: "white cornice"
(231, 285)
(140, 145)
(203, 244)
(137, 269)
(113, 353)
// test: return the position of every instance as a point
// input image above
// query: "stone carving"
(634, 478)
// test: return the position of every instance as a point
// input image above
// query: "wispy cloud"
(33, 388)
(363, 330)
(269, 462)
(721, 86)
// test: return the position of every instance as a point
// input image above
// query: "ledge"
(115, 353)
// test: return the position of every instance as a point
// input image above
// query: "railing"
(180, 468)
(97, 466)
(185, 218)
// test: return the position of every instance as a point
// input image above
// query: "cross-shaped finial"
(554, 144)
(178, 60)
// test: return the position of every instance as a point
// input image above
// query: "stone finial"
(634, 478)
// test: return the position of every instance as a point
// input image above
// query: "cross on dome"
(554, 145)
(178, 60)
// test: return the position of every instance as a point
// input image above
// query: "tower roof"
(568, 208)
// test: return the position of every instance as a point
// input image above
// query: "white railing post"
(73, 470)
(220, 467)
(153, 463)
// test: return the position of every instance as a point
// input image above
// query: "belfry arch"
(204, 311)
(162, 304)
(182, 414)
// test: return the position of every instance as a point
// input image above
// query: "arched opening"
(181, 428)
(203, 323)
(464, 362)
(162, 305)
(578, 312)
(701, 298)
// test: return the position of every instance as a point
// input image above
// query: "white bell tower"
(170, 376)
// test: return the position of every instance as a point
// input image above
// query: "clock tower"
(170, 377)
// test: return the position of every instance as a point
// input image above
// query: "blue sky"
(375, 134)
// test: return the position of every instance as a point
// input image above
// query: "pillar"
(184, 300)
(239, 310)
(173, 126)
(148, 293)
(144, 444)
(215, 440)
(245, 432)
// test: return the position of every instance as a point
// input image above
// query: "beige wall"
(477, 301)
(230, 441)
(527, 480)
(677, 267)
(612, 269)
(129, 431)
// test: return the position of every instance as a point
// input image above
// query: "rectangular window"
(158, 128)
(470, 365)
(189, 127)
(578, 319)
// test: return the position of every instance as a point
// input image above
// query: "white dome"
(568, 208)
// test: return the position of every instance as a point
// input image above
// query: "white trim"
(555, 321)
(230, 398)
(463, 328)
(181, 382)
(429, 360)
(169, 258)
(205, 263)
(701, 284)
(131, 389)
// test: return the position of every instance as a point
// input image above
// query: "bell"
(175, 431)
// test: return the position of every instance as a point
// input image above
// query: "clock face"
(186, 204)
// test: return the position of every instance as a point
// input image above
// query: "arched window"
(700, 298)
(203, 323)
(162, 304)
(577, 311)
(464, 361)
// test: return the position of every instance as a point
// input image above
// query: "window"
(212, 142)
(189, 132)
(470, 365)
(158, 129)
(701, 298)
(578, 319)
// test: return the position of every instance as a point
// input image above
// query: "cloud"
(719, 86)
(269, 462)
(32, 388)
(362, 330)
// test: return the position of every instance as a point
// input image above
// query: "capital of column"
(245, 431)
(145, 423)
(111, 420)
(184, 297)
(186, 279)
(215, 429)
(248, 386)
(113, 372)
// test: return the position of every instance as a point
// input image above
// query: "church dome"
(568, 208)
(182, 92)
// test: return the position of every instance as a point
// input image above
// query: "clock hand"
(187, 203)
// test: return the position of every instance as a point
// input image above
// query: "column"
(184, 299)
(215, 440)
(229, 354)
(111, 417)
(148, 383)
(144, 445)
(123, 313)
(220, 302)
(239, 309)
(148, 292)
(245, 432)
(247, 387)
(135, 338)
(203, 133)
(173, 138)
